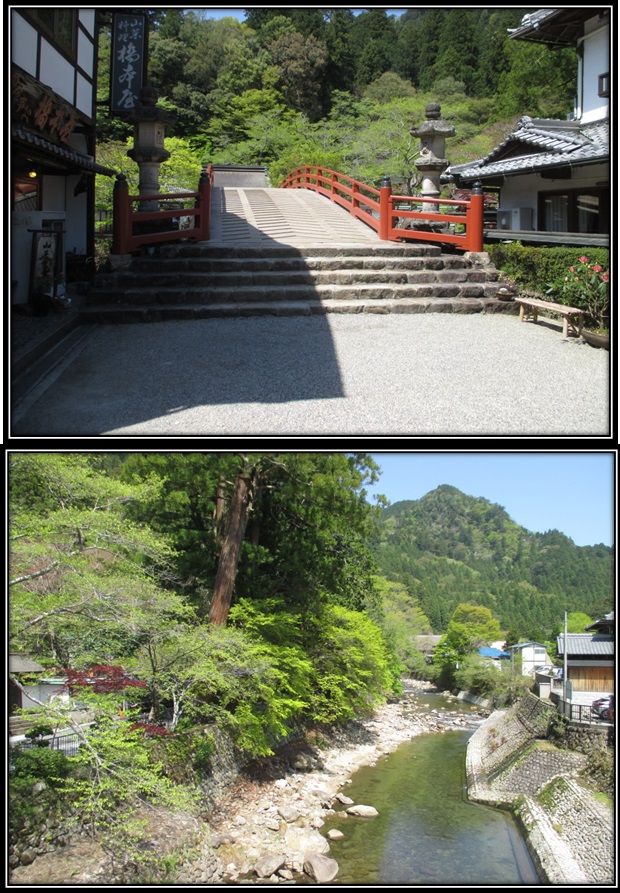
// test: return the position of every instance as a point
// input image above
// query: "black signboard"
(129, 36)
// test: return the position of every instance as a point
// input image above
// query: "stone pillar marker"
(431, 161)
(148, 146)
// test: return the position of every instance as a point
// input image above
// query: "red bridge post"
(385, 209)
(475, 219)
(121, 222)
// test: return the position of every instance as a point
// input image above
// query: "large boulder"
(289, 813)
(303, 840)
(268, 865)
(321, 868)
(342, 798)
(366, 812)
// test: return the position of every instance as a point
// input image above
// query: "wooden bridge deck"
(299, 217)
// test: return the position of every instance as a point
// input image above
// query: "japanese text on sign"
(128, 39)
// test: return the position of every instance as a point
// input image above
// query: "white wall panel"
(56, 72)
(23, 44)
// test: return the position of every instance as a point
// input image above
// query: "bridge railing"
(387, 213)
(128, 221)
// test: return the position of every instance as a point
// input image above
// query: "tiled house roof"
(587, 645)
(536, 144)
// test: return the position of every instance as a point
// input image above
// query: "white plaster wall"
(85, 53)
(522, 192)
(56, 72)
(595, 62)
(23, 43)
(53, 193)
(87, 18)
(84, 96)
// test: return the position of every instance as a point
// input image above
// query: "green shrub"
(535, 266)
(40, 764)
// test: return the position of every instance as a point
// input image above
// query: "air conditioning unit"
(515, 218)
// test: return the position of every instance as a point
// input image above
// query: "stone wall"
(585, 824)
(569, 833)
(587, 739)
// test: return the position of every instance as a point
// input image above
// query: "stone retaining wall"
(569, 833)
(586, 825)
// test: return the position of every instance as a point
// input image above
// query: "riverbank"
(266, 821)
(569, 832)
(267, 827)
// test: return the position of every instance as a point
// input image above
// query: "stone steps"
(248, 293)
(126, 313)
(285, 278)
(199, 280)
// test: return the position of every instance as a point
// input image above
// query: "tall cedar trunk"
(229, 556)
(218, 513)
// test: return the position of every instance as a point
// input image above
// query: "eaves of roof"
(70, 156)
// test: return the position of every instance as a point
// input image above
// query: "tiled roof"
(22, 663)
(82, 162)
(586, 645)
(561, 142)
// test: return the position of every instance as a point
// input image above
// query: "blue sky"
(571, 492)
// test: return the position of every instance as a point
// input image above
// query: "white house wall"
(36, 55)
(595, 62)
(522, 192)
(23, 44)
(56, 72)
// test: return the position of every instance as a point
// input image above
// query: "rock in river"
(321, 868)
(365, 811)
(268, 865)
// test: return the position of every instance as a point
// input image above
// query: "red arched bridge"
(325, 243)
(226, 214)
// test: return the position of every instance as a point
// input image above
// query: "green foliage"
(585, 285)
(403, 619)
(448, 548)
(353, 669)
(578, 622)
(533, 266)
(39, 764)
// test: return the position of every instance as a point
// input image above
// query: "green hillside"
(448, 548)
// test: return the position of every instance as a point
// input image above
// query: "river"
(427, 832)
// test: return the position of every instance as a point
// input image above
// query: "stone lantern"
(148, 143)
(431, 161)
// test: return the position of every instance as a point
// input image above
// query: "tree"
(578, 622)
(85, 580)
(300, 62)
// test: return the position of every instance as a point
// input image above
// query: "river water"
(427, 832)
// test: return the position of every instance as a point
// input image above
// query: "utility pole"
(565, 680)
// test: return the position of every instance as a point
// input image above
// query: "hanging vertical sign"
(128, 67)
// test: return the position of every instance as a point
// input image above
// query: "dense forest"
(289, 86)
(448, 548)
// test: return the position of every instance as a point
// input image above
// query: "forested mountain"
(289, 86)
(448, 548)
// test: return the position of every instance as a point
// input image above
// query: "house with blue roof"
(553, 175)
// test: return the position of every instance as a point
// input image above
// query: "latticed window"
(60, 25)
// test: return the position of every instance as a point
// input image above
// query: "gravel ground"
(391, 374)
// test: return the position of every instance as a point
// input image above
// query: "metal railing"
(68, 744)
(387, 213)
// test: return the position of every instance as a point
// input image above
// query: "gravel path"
(337, 374)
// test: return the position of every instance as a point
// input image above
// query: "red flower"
(597, 268)
(583, 259)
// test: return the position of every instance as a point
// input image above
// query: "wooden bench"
(572, 316)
